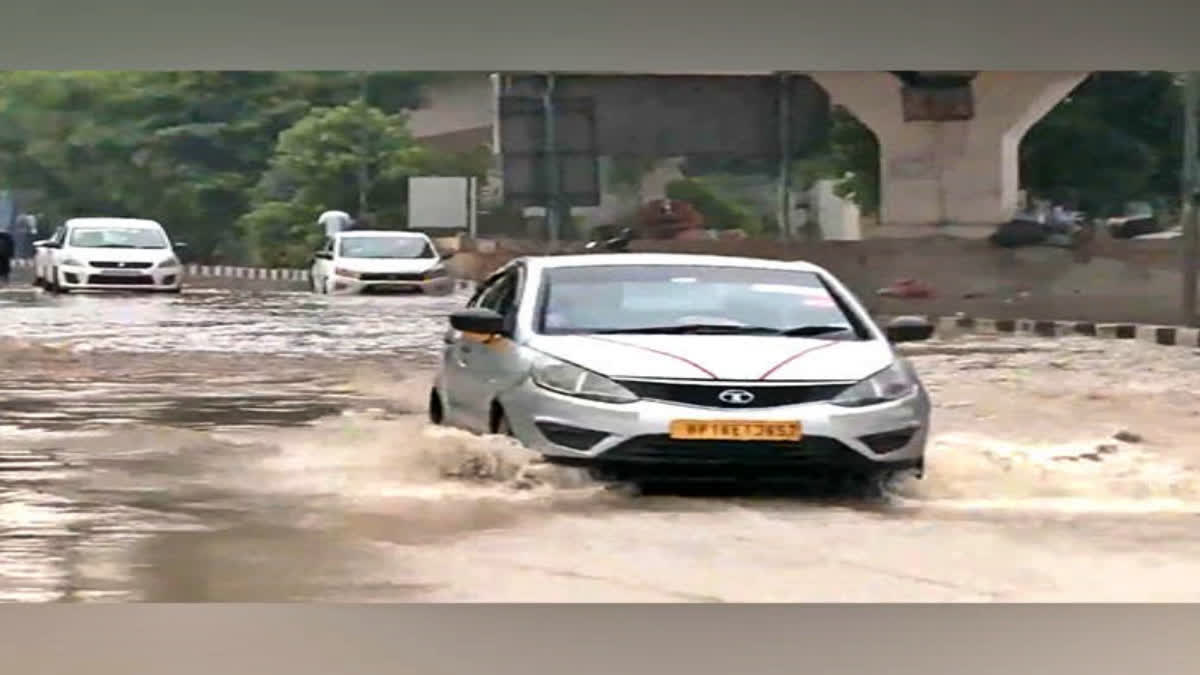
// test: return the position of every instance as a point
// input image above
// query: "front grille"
(390, 290)
(810, 452)
(707, 395)
(381, 276)
(113, 280)
(568, 436)
(123, 265)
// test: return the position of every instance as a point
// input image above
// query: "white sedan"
(96, 254)
(380, 261)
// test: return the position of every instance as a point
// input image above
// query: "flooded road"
(259, 446)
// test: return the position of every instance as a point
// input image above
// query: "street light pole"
(553, 189)
(1190, 204)
(784, 177)
(364, 139)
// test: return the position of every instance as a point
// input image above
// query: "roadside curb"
(1168, 336)
(285, 275)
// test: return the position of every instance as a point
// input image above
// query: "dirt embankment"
(1133, 281)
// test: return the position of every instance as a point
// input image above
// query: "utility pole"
(364, 140)
(553, 190)
(1190, 202)
(785, 157)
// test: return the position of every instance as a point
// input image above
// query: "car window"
(59, 235)
(482, 291)
(501, 296)
(386, 247)
(118, 237)
(649, 297)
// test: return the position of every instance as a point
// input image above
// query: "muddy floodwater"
(270, 446)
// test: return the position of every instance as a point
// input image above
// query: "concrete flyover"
(958, 170)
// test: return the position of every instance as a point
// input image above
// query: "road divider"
(198, 273)
(1170, 336)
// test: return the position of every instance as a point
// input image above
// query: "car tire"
(437, 410)
(313, 285)
(55, 287)
(503, 428)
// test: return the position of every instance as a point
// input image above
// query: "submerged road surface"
(236, 446)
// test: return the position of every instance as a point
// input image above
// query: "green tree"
(185, 148)
(1115, 139)
(316, 167)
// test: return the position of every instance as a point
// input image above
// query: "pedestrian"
(6, 254)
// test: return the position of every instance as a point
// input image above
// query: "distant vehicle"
(639, 365)
(380, 261)
(101, 254)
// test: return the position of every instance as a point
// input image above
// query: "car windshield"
(385, 247)
(684, 299)
(117, 237)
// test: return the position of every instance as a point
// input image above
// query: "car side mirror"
(448, 255)
(908, 329)
(322, 255)
(480, 321)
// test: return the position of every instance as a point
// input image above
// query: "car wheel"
(437, 413)
(313, 284)
(503, 428)
(500, 423)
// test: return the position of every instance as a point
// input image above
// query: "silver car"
(634, 364)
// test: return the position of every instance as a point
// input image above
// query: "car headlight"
(564, 378)
(169, 262)
(343, 272)
(71, 261)
(890, 384)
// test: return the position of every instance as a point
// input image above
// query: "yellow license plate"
(731, 430)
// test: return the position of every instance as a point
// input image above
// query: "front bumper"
(352, 286)
(635, 436)
(87, 278)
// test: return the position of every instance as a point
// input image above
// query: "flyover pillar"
(957, 172)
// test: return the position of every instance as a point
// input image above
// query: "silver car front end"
(862, 437)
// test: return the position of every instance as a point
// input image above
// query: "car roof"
(608, 259)
(382, 233)
(111, 222)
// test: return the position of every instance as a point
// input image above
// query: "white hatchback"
(636, 364)
(380, 261)
(95, 254)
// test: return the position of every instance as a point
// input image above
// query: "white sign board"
(440, 203)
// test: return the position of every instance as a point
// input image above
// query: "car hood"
(399, 265)
(722, 357)
(137, 255)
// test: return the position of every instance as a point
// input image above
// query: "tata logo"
(735, 396)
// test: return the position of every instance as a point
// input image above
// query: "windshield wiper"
(809, 331)
(693, 328)
(724, 329)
